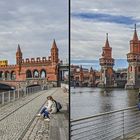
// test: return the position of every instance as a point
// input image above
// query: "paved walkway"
(16, 117)
(57, 128)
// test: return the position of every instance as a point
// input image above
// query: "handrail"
(12, 95)
(109, 125)
(101, 114)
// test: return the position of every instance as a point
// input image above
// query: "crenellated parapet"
(36, 60)
(7, 66)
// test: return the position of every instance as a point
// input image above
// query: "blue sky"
(33, 24)
(92, 19)
(119, 19)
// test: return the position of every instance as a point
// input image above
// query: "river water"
(91, 101)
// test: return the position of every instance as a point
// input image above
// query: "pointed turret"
(54, 53)
(107, 42)
(54, 46)
(107, 50)
(18, 55)
(18, 49)
(135, 36)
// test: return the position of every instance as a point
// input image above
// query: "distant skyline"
(92, 19)
(119, 64)
(33, 24)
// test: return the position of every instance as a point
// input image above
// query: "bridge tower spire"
(18, 55)
(107, 63)
(54, 53)
(18, 59)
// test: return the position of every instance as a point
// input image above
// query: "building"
(83, 77)
(27, 69)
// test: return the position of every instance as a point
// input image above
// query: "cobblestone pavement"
(10, 107)
(57, 128)
(39, 130)
(14, 125)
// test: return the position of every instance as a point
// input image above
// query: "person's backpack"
(58, 106)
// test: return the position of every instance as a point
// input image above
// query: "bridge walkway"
(57, 128)
(16, 118)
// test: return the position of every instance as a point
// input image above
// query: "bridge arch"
(35, 73)
(6, 86)
(28, 74)
(33, 85)
(1, 75)
(7, 75)
(13, 75)
(43, 73)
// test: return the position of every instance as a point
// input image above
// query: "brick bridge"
(34, 71)
(22, 84)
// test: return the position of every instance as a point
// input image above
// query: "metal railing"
(107, 126)
(12, 95)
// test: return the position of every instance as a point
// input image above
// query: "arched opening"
(43, 74)
(7, 75)
(28, 74)
(13, 75)
(5, 87)
(139, 69)
(36, 85)
(131, 68)
(1, 75)
(36, 74)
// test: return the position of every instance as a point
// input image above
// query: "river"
(91, 101)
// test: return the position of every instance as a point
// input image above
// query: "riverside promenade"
(18, 119)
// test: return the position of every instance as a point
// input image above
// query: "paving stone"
(15, 124)
(57, 128)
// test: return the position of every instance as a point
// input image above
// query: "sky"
(33, 24)
(92, 19)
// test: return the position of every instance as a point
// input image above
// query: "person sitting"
(49, 108)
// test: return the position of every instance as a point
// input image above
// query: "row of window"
(29, 74)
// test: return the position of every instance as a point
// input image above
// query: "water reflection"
(91, 101)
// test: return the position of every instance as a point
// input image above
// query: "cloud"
(33, 24)
(92, 19)
(106, 18)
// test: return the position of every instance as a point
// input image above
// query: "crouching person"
(49, 108)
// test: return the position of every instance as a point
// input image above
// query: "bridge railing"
(12, 95)
(107, 126)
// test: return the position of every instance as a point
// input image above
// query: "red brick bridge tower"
(133, 58)
(31, 71)
(107, 63)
